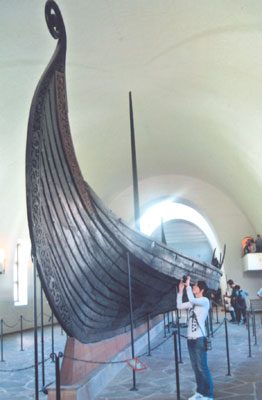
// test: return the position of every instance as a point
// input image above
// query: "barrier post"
(52, 332)
(35, 334)
(248, 331)
(2, 340)
(217, 313)
(255, 328)
(131, 318)
(164, 319)
(211, 321)
(227, 348)
(168, 323)
(148, 336)
(225, 308)
(207, 326)
(179, 339)
(21, 332)
(252, 319)
(176, 364)
(57, 377)
(42, 337)
(177, 317)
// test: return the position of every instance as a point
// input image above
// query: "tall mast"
(134, 166)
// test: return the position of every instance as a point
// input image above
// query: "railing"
(171, 326)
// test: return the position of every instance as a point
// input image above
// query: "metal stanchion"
(207, 326)
(211, 321)
(254, 327)
(179, 340)
(55, 359)
(168, 323)
(57, 377)
(42, 338)
(249, 341)
(227, 348)
(225, 308)
(131, 318)
(2, 340)
(217, 314)
(253, 320)
(254, 323)
(164, 319)
(148, 336)
(211, 311)
(52, 331)
(177, 366)
(21, 332)
(177, 317)
(35, 334)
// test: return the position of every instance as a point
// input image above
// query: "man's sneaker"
(206, 398)
(196, 396)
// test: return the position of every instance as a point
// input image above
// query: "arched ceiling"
(194, 69)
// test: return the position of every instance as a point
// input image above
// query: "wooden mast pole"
(134, 166)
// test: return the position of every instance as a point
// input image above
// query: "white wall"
(10, 313)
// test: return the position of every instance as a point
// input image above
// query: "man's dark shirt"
(233, 297)
(259, 245)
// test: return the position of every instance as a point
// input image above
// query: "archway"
(185, 228)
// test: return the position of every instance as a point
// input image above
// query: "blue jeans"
(198, 357)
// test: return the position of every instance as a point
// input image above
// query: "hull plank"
(80, 246)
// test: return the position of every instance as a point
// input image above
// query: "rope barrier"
(219, 326)
(114, 362)
(92, 361)
(26, 320)
(154, 348)
(10, 326)
(100, 362)
(46, 386)
(23, 369)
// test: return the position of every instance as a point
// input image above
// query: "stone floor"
(158, 381)
(20, 384)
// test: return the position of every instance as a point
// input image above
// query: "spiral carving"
(54, 20)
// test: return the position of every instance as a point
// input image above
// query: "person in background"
(228, 307)
(241, 305)
(233, 298)
(259, 244)
(252, 247)
(198, 307)
(259, 293)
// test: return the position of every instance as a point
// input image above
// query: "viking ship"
(81, 249)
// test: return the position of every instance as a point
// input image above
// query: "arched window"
(22, 255)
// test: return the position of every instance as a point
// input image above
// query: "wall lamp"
(2, 261)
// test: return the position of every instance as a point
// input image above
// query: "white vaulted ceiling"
(194, 69)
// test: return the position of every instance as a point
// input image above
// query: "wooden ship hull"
(80, 248)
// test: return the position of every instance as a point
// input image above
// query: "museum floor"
(158, 381)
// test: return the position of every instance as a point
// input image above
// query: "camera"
(184, 279)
